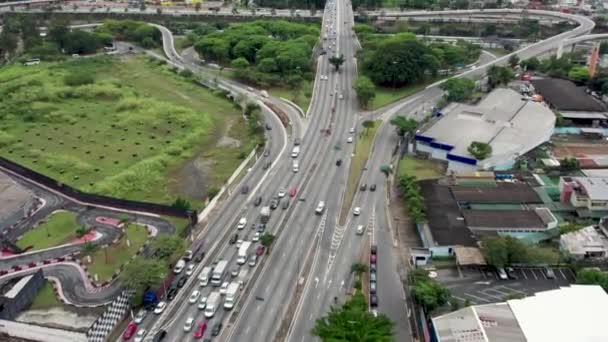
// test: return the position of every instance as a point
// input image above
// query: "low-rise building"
(589, 195)
(585, 243)
(511, 125)
(574, 313)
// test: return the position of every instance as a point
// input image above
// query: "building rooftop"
(583, 115)
(596, 188)
(584, 240)
(595, 172)
(564, 95)
(512, 219)
(512, 126)
(574, 313)
(501, 192)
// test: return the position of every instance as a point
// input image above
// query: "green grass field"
(301, 98)
(117, 254)
(363, 145)
(385, 95)
(59, 228)
(420, 168)
(128, 134)
(45, 298)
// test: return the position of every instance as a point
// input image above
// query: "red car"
(200, 330)
(130, 331)
(260, 250)
(372, 258)
(293, 191)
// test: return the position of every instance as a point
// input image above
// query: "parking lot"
(483, 286)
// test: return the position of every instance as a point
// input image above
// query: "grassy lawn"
(420, 168)
(58, 229)
(118, 253)
(179, 223)
(182, 43)
(45, 298)
(385, 95)
(363, 147)
(127, 135)
(301, 98)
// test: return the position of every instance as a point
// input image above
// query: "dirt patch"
(226, 141)
(59, 318)
(190, 179)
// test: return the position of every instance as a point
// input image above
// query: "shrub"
(77, 79)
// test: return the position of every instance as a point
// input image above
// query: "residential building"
(511, 125)
(585, 243)
(575, 313)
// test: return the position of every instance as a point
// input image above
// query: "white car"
(141, 333)
(282, 193)
(189, 323)
(256, 237)
(203, 303)
(349, 140)
(141, 315)
(242, 223)
(189, 270)
(360, 229)
(253, 260)
(351, 130)
(357, 211)
(160, 307)
(239, 242)
(194, 296)
(224, 288)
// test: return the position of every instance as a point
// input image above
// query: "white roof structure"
(575, 313)
(512, 126)
(596, 188)
(595, 172)
(583, 241)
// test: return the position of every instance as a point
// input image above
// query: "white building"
(575, 313)
(510, 125)
(585, 243)
(590, 193)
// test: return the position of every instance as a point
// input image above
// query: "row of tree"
(410, 192)
(504, 251)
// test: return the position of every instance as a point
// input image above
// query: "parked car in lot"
(373, 300)
(129, 331)
(502, 274)
(200, 330)
(160, 307)
(511, 273)
(372, 287)
(549, 272)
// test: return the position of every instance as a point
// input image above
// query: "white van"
(179, 267)
(205, 276)
(295, 152)
(264, 93)
(296, 166)
(320, 208)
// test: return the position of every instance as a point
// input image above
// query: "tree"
(267, 239)
(530, 63)
(480, 150)
(404, 125)
(458, 89)
(88, 248)
(366, 90)
(168, 246)
(240, 63)
(353, 322)
(513, 60)
(386, 169)
(495, 251)
(569, 164)
(142, 273)
(358, 268)
(368, 124)
(428, 292)
(181, 203)
(499, 75)
(592, 276)
(336, 61)
(58, 32)
(250, 107)
(579, 74)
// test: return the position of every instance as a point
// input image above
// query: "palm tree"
(358, 268)
(88, 248)
(404, 125)
(337, 61)
(267, 239)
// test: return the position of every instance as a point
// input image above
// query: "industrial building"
(511, 125)
(574, 313)
(588, 195)
(586, 243)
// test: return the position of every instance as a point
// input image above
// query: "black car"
(171, 293)
(274, 203)
(199, 257)
(181, 282)
(363, 187)
(374, 249)
(234, 238)
(511, 273)
(338, 162)
(372, 187)
(257, 201)
(253, 225)
(267, 165)
(261, 227)
(285, 204)
(268, 127)
(266, 153)
(373, 300)
(159, 336)
(296, 141)
(217, 327)
(245, 189)
(323, 52)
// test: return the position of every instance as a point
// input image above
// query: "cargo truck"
(213, 301)
(265, 214)
(243, 253)
(218, 273)
(204, 276)
(231, 296)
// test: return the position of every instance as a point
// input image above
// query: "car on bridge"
(160, 307)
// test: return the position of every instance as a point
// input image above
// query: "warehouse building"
(586, 243)
(510, 125)
(588, 195)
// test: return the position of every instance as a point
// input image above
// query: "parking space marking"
(542, 272)
(573, 277)
(486, 293)
(534, 274)
(511, 290)
(477, 298)
(495, 289)
(524, 274)
(464, 300)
